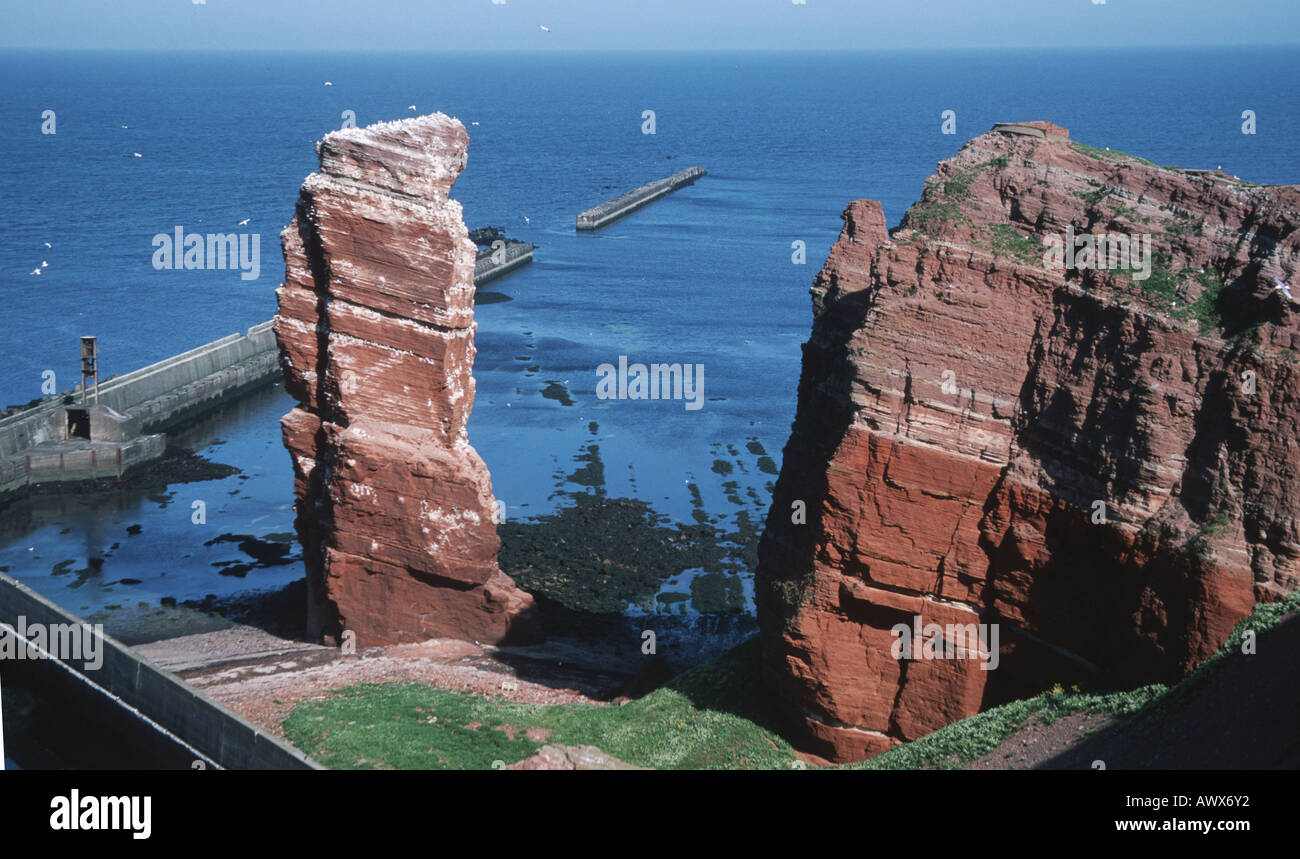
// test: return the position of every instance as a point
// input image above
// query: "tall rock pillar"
(376, 330)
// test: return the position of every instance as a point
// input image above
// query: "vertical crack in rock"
(1174, 401)
(376, 332)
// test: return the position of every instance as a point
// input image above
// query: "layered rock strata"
(376, 329)
(1104, 465)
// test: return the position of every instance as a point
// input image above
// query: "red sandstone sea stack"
(376, 331)
(1107, 468)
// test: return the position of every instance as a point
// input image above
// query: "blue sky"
(641, 24)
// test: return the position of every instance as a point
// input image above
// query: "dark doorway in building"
(79, 424)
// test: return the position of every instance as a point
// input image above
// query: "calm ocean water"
(704, 276)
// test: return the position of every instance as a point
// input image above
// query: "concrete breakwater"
(57, 441)
(493, 263)
(625, 204)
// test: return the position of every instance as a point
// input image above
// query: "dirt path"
(1244, 715)
(1037, 743)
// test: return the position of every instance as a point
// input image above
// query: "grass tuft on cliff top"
(708, 718)
(1108, 154)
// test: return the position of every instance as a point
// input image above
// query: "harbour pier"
(493, 263)
(90, 434)
(625, 204)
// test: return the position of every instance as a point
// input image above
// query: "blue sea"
(705, 276)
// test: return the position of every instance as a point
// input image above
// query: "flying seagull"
(245, 221)
(329, 83)
(137, 154)
(410, 107)
(48, 245)
(545, 29)
(36, 272)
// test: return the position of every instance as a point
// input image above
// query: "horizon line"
(637, 50)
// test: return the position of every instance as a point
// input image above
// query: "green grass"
(708, 718)
(1008, 241)
(940, 204)
(1119, 210)
(1198, 545)
(1108, 154)
(1247, 337)
(1161, 287)
(1218, 526)
(1264, 617)
(963, 742)
(1094, 196)
(931, 214)
(1205, 310)
(958, 186)
(711, 717)
(1160, 290)
(1183, 226)
(972, 738)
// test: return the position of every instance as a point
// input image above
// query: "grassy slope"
(711, 717)
(708, 718)
(978, 735)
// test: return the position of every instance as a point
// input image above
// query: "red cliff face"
(376, 331)
(1107, 468)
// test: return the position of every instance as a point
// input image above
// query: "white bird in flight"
(329, 83)
(410, 107)
(48, 245)
(527, 220)
(245, 221)
(137, 154)
(36, 272)
(44, 264)
(545, 29)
